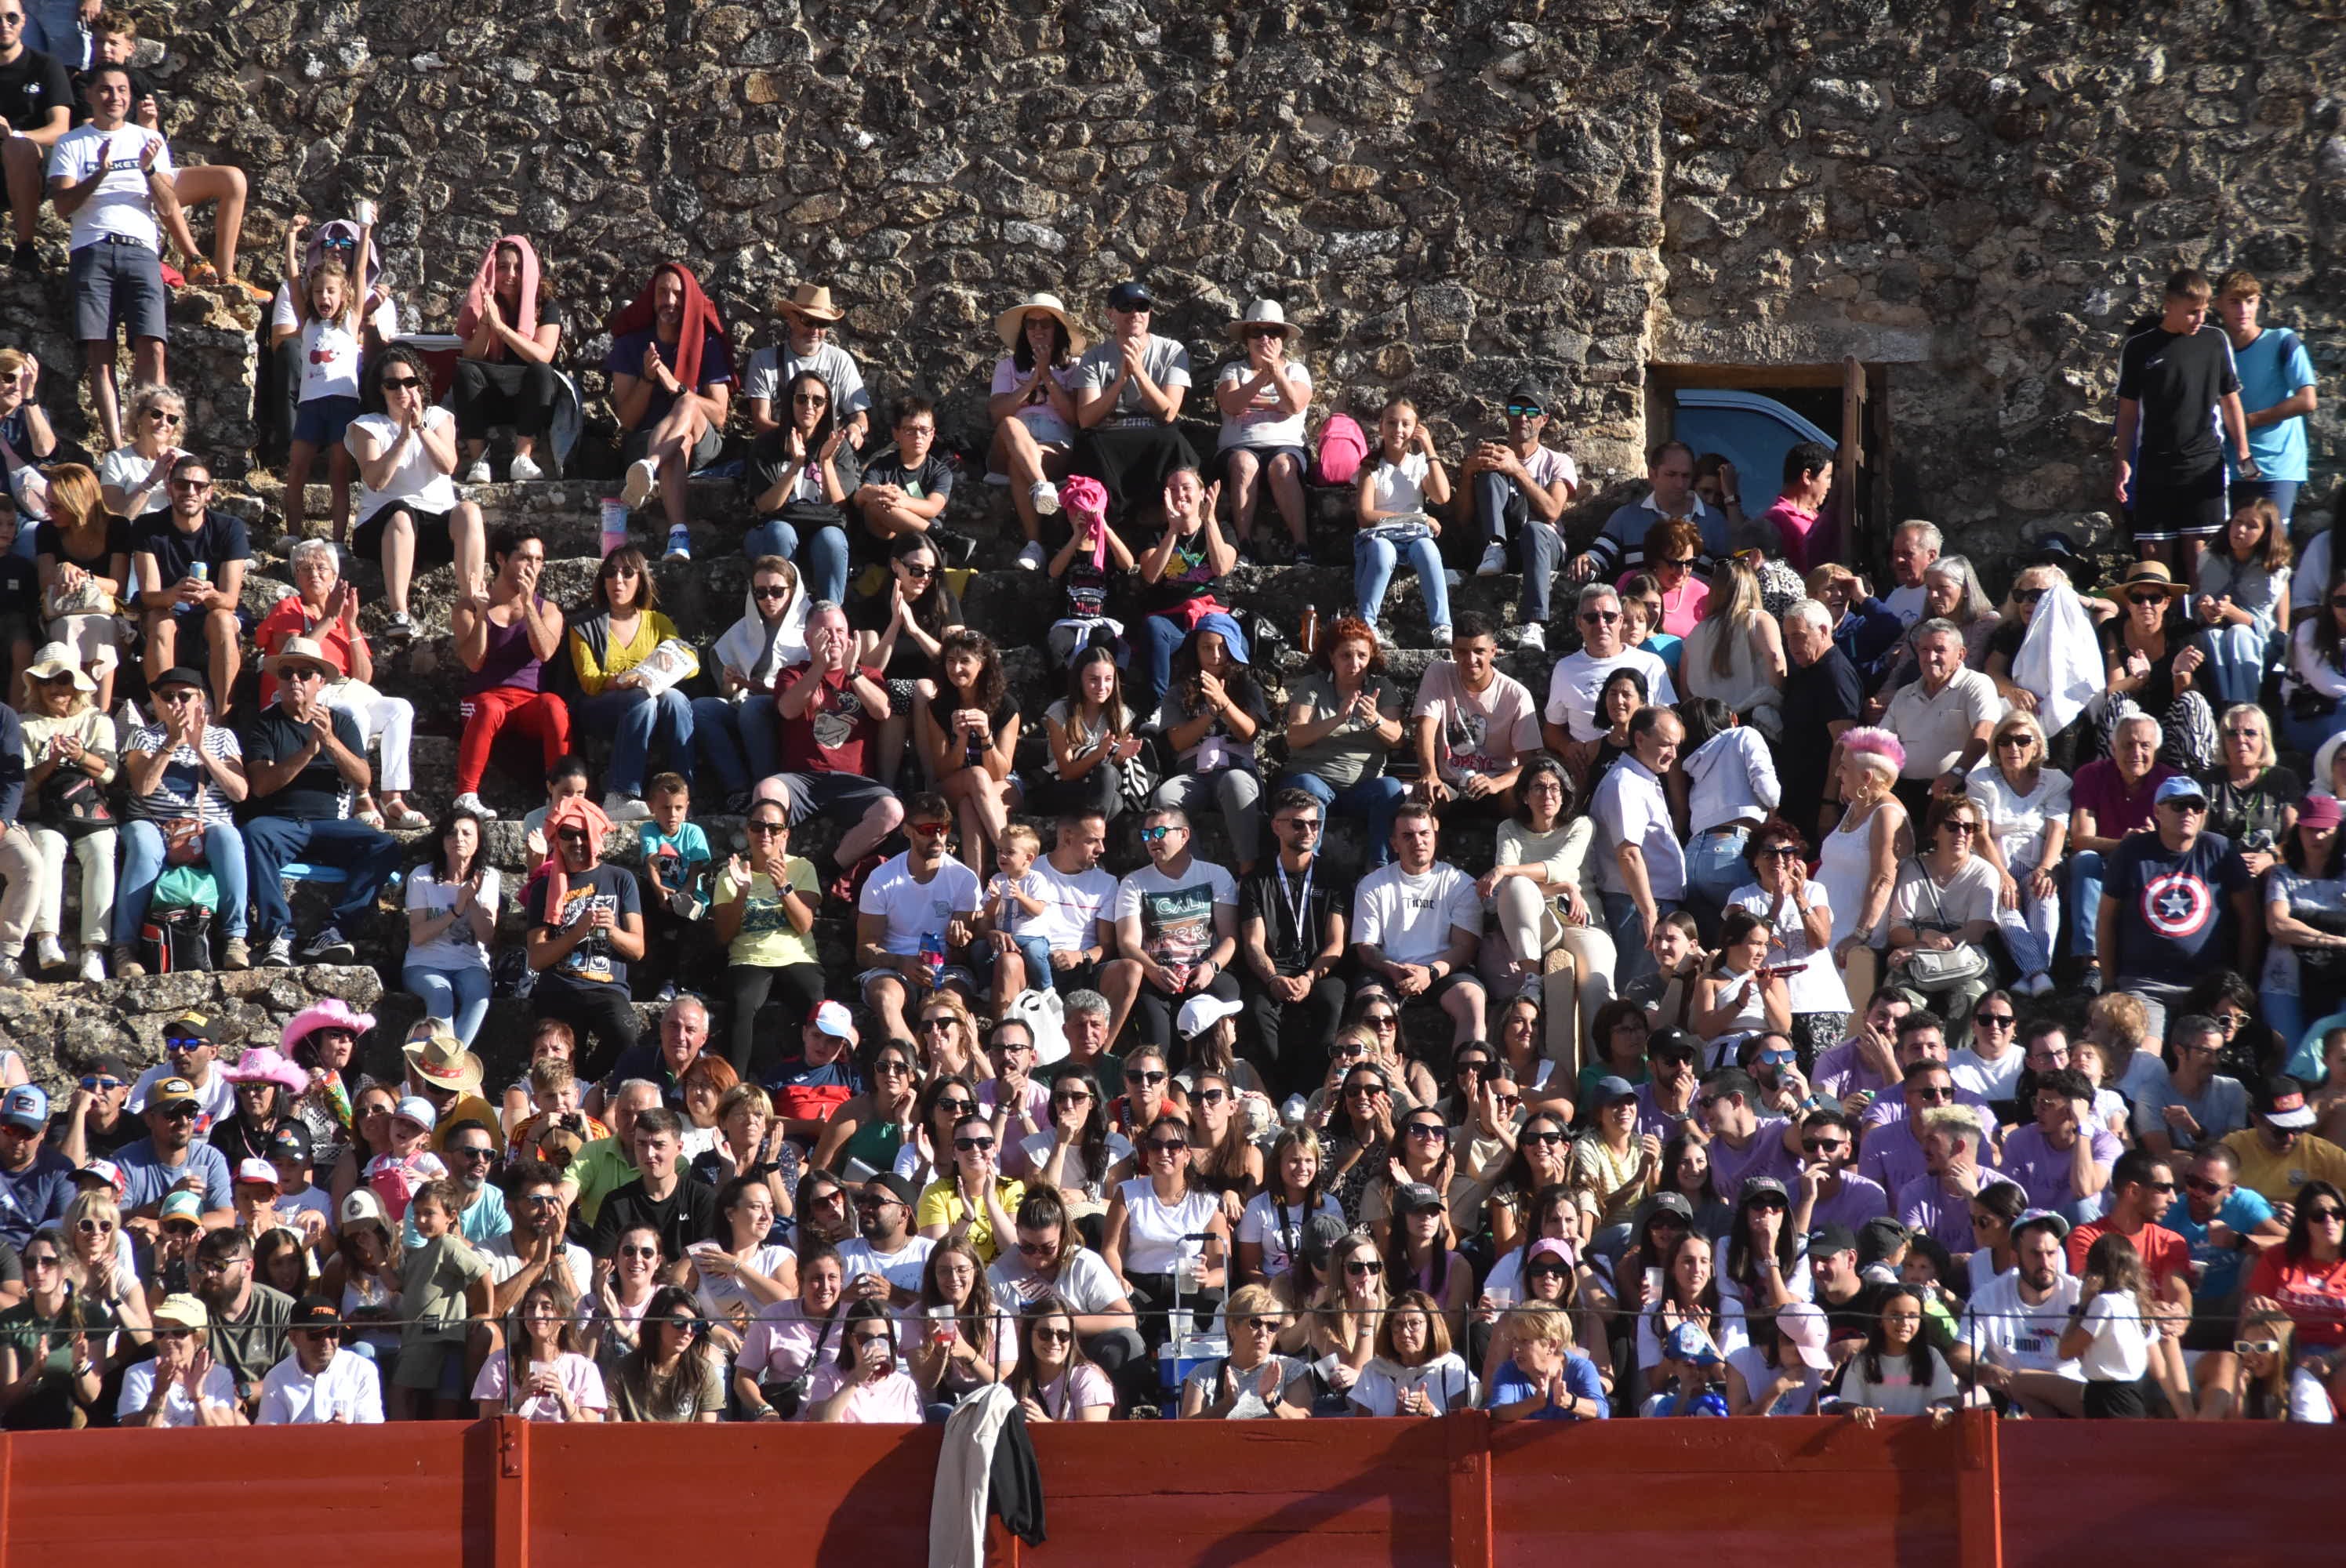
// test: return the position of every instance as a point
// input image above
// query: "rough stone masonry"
(1978, 195)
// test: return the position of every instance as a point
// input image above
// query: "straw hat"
(56, 659)
(1011, 325)
(301, 651)
(1263, 313)
(812, 300)
(443, 1062)
(2151, 576)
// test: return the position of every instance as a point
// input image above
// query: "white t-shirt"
(1264, 424)
(2011, 1333)
(1410, 917)
(385, 320)
(120, 204)
(718, 1294)
(2017, 821)
(503, 1262)
(1175, 913)
(1279, 1233)
(1816, 987)
(1758, 1377)
(1085, 1283)
(179, 1410)
(1448, 1384)
(2120, 1352)
(218, 1097)
(1074, 1177)
(349, 1389)
(1994, 1080)
(580, 1379)
(1043, 422)
(770, 369)
(126, 471)
(1155, 1237)
(900, 1270)
(1400, 486)
(914, 908)
(1072, 906)
(426, 892)
(1546, 466)
(330, 360)
(1578, 680)
(417, 481)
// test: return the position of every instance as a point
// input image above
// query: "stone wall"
(1980, 195)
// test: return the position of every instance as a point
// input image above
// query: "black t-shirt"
(2238, 812)
(1815, 696)
(870, 613)
(49, 540)
(2177, 381)
(592, 963)
(220, 540)
(2156, 694)
(1275, 897)
(945, 704)
(685, 1216)
(20, 585)
(32, 88)
(315, 794)
(2009, 634)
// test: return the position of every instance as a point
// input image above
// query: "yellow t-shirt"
(766, 939)
(2276, 1176)
(940, 1204)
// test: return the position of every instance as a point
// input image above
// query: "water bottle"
(615, 525)
(1307, 634)
(933, 955)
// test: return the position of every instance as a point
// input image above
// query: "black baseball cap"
(1674, 1043)
(180, 675)
(1131, 296)
(1830, 1237)
(289, 1141)
(1528, 392)
(315, 1311)
(900, 1188)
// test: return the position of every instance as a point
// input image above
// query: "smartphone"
(1653, 1284)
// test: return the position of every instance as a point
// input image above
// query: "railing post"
(1467, 1436)
(1979, 1479)
(509, 1487)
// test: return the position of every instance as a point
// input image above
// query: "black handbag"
(73, 804)
(2327, 964)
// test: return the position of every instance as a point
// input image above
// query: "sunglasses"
(1365, 1268)
(1525, 411)
(892, 1067)
(766, 830)
(475, 1153)
(917, 569)
(876, 1199)
(570, 835)
(2256, 1347)
(1427, 1131)
(1038, 1249)
(159, 417)
(102, 1086)
(2142, 601)
(809, 399)
(2324, 1215)
(929, 829)
(1363, 1091)
(1076, 1097)
(965, 1144)
(184, 1042)
(1055, 1335)
(2020, 742)
(1946, 1096)
(2027, 596)
(1212, 1096)
(1680, 562)
(1992, 1020)
(1166, 1145)
(1137, 1075)
(1382, 1020)
(639, 1252)
(1264, 333)
(1152, 835)
(1260, 1325)
(957, 1106)
(401, 384)
(40, 1260)
(1544, 1136)
(930, 1025)
(775, 592)
(1822, 1146)
(1768, 1201)
(1780, 852)
(175, 698)
(1302, 824)
(1601, 617)
(94, 1226)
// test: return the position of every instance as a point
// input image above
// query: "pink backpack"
(1343, 447)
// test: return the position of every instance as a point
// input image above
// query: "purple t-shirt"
(1890, 1158)
(1857, 1201)
(2043, 1171)
(1924, 1205)
(2116, 811)
(1842, 1072)
(1766, 1156)
(509, 660)
(1652, 1118)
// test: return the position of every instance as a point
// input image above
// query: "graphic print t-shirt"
(1177, 913)
(2171, 906)
(582, 894)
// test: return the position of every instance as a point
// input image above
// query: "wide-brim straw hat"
(812, 300)
(1263, 313)
(1011, 325)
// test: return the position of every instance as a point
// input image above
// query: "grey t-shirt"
(1355, 751)
(770, 369)
(1165, 360)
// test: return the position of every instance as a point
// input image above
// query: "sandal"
(406, 820)
(367, 811)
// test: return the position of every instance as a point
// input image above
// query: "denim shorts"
(117, 285)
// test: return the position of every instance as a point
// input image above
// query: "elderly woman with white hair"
(325, 609)
(1950, 592)
(1857, 863)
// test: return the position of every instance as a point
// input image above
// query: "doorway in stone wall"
(1753, 414)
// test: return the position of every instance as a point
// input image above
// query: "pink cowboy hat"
(331, 1014)
(263, 1065)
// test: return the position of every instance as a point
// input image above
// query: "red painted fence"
(1348, 1494)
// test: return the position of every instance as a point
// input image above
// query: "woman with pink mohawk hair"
(1858, 863)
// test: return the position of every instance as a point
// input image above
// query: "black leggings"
(1048, 795)
(1156, 1012)
(505, 391)
(747, 987)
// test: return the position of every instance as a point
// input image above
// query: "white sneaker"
(1442, 640)
(1531, 638)
(679, 545)
(478, 473)
(1453, 576)
(626, 808)
(471, 802)
(522, 468)
(93, 964)
(48, 953)
(1493, 561)
(642, 482)
(1043, 496)
(1032, 559)
(2036, 984)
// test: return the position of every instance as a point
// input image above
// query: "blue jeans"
(2236, 662)
(743, 740)
(2085, 901)
(1380, 797)
(2307, 735)
(1159, 636)
(365, 857)
(461, 995)
(824, 570)
(1498, 503)
(1374, 561)
(1715, 869)
(1033, 951)
(1628, 932)
(634, 717)
(142, 862)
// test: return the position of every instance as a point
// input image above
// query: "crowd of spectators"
(1698, 1035)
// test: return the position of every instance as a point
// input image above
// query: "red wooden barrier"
(1761, 1494)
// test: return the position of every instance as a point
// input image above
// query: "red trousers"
(541, 713)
